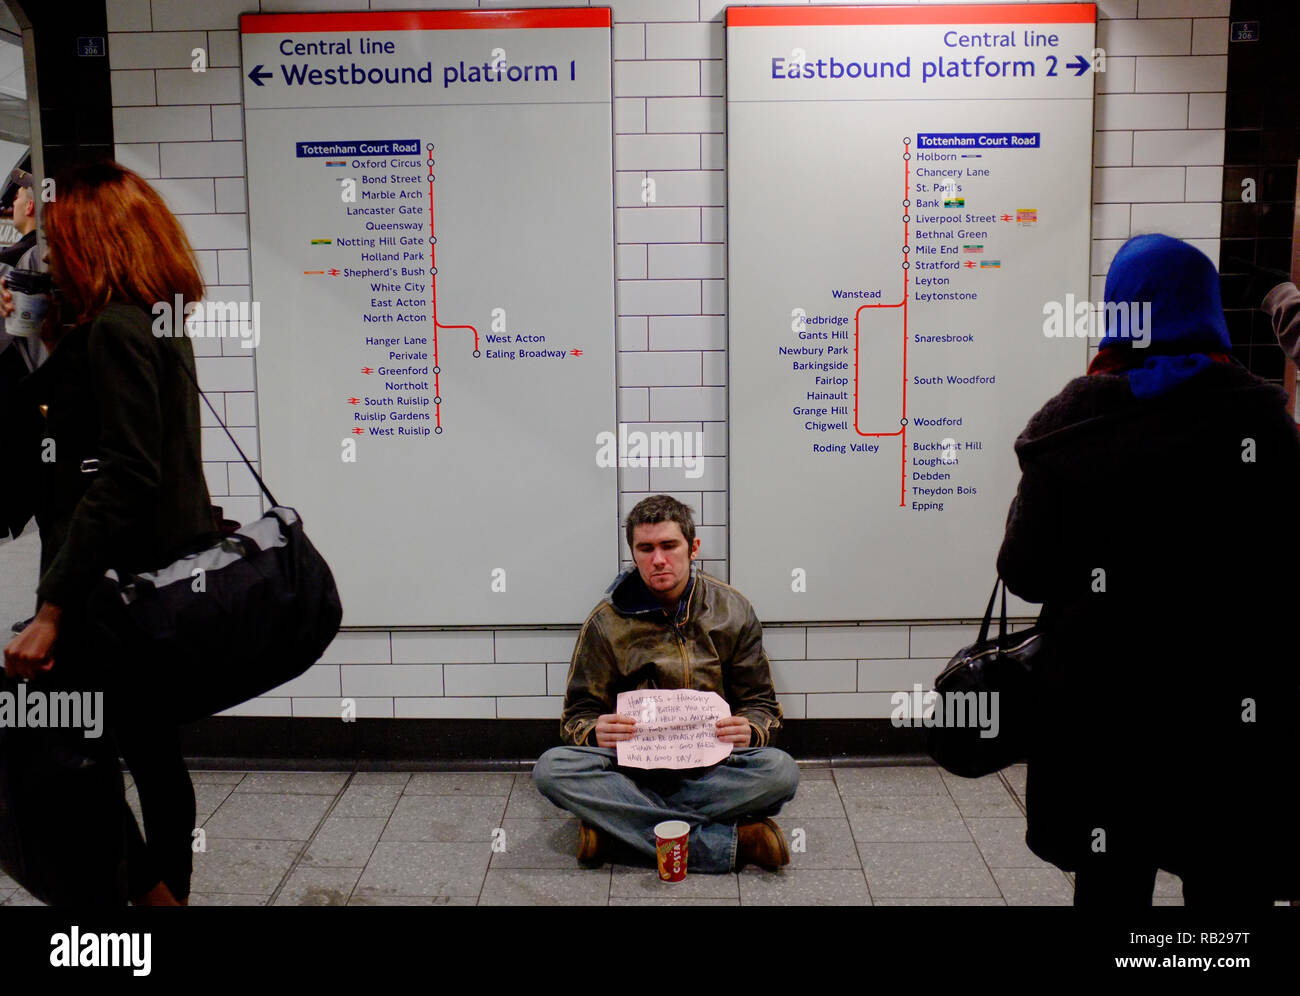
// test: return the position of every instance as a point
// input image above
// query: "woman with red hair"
(124, 488)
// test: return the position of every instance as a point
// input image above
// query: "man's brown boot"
(592, 843)
(760, 842)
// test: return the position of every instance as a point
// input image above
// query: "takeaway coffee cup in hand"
(30, 290)
(671, 838)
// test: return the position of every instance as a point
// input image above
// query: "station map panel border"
(431, 220)
(909, 205)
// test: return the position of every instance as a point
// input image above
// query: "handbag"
(236, 616)
(985, 689)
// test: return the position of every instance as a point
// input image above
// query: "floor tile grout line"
(387, 820)
(1015, 796)
(985, 862)
(1020, 804)
(862, 867)
(975, 840)
(302, 851)
(478, 900)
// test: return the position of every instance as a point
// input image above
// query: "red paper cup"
(671, 838)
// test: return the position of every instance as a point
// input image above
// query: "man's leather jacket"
(713, 644)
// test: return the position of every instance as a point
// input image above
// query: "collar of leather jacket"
(629, 596)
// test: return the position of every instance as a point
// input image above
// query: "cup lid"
(672, 828)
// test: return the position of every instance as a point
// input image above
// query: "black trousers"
(163, 853)
(153, 754)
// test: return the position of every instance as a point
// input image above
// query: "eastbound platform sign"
(907, 188)
(431, 212)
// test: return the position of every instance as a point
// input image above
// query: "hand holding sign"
(675, 728)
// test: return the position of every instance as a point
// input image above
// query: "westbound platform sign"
(908, 190)
(431, 215)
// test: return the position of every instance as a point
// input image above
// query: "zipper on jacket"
(681, 640)
(686, 661)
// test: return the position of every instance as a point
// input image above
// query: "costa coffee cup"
(671, 838)
(31, 293)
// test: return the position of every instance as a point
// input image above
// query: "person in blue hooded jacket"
(1151, 521)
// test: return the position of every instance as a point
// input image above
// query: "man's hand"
(611, 728)
(6, 301)
(734, 730)
(29, 652)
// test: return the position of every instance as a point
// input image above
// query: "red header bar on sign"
(980, 13)
(426, 20)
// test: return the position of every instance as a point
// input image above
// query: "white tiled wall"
(1158, 153)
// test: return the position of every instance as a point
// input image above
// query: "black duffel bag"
(238, 615)
(1000, 668)
(248, 612)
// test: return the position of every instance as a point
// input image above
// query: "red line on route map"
(433, 276)
(902, 431)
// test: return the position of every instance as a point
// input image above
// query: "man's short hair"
(661, 508)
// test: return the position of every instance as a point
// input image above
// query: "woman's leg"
(167, 801)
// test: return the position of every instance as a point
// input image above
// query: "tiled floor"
(888, 836)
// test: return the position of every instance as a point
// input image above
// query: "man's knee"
(558, 764)
(548, 771)
(773, 774)
(782, 774)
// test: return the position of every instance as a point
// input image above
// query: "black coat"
(1140, 745)
(114, 392)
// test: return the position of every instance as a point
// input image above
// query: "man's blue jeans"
(627, 802)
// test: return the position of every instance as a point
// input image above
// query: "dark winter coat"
(109, 459)
(1167, 718)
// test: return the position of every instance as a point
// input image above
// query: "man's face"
(663, 558)
(22, 206)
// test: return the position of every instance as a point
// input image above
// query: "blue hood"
(1186, 318)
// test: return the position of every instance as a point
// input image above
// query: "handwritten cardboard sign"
(675, 728)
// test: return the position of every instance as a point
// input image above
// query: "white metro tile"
(1118, 111)
(535, 645)
(1204, 183)
(658, 78)
(1177, 73)
(1145, 37)
(1207, 110)
(358, 648)
(153, 49)
(128, 15)
(856, 641)
(132, 86)
(1181, 148)
(1183, 221)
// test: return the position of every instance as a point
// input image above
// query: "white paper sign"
(675, 728)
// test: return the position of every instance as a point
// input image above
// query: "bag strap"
(1002, 629)
(988, 612)
(256, 476)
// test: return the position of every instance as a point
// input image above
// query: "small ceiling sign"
(1243, 31)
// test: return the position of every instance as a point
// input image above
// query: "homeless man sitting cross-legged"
(661, 625)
